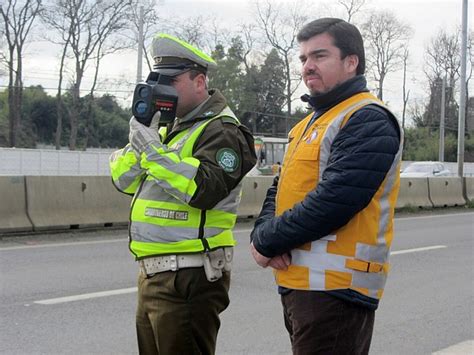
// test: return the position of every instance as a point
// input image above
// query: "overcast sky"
(425, 16)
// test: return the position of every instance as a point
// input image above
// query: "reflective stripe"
(147, 232)
(231, 202)
(161, 219)
(377, 253)
(179, 185)
(332, 131)
(170, 161)
(125, 170)
(144, 249)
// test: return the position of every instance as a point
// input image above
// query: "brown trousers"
(319, 323)
(178, 312)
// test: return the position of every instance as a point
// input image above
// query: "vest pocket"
(306, 167)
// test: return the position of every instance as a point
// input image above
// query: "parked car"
(425, 169)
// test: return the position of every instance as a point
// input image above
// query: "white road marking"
(465, 347)
(434, 216)
(55, 245)
(247, 230)
(134, 289)
(415, 250)
(86, 296)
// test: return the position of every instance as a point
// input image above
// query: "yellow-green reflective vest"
(161, 220)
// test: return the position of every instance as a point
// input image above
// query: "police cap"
(173, 56)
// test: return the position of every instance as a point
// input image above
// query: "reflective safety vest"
(356, 255)
(161, 220)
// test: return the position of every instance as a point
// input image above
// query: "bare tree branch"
(386, 38)
(18, 17)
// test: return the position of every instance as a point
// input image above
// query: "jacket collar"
(341, 92)
(210, 107)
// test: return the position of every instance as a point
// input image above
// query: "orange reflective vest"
(356, 255)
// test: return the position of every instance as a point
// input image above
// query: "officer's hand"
(141, 136)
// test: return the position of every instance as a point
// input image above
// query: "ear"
(351, 62)
(200, 82)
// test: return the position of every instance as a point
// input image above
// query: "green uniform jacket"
(221, 152)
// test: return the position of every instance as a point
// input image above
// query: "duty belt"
(164, 263)
(214, 262)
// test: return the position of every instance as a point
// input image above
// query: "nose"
(308, 67)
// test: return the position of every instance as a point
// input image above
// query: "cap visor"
(170, 72)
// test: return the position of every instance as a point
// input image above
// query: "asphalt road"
(74, 293)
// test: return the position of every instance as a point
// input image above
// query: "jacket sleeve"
(213, 181)
(361, 155)
(268, 208)
(125, 170)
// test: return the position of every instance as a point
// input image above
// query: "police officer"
(186, 188)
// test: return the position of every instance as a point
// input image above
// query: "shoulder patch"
(227, 119)
(228, 159)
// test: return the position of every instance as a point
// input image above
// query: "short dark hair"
(193, 73)
(345, 36)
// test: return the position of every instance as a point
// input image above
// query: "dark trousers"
(319, 323)
(178, 312)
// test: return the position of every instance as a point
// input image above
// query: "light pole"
(462, 99)
(140, 46)
(441, 120)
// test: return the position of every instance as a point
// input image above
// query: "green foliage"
(109, 124)
(423, 144)
(108, 121)
(229, 76)
(255, 93)
(3, 118)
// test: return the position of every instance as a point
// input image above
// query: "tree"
(150, 21)
(264, 96)
(92, 28)
(386, 37)
(351, 7)
(405, 91)
(442, 60)
(18, 17)
(280, 25)
(56, 16)
(229, 76)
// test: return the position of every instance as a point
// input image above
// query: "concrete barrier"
(254, 190)
(74, 201)
(414, 192)
(469, 182)
(13, 216)
(59, 202)
(446, 191)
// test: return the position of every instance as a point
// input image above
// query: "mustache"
(311, 72)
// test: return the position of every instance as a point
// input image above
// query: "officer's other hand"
(141, 136)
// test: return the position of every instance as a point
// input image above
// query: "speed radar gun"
(156, 94)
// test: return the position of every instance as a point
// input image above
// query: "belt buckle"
(173, 263)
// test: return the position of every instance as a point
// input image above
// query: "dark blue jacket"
(361, 155)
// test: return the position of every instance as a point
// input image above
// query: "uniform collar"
(210, 107)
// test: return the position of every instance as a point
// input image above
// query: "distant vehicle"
(425, 169)
(270, 152)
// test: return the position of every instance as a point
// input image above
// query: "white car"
(425, 169)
